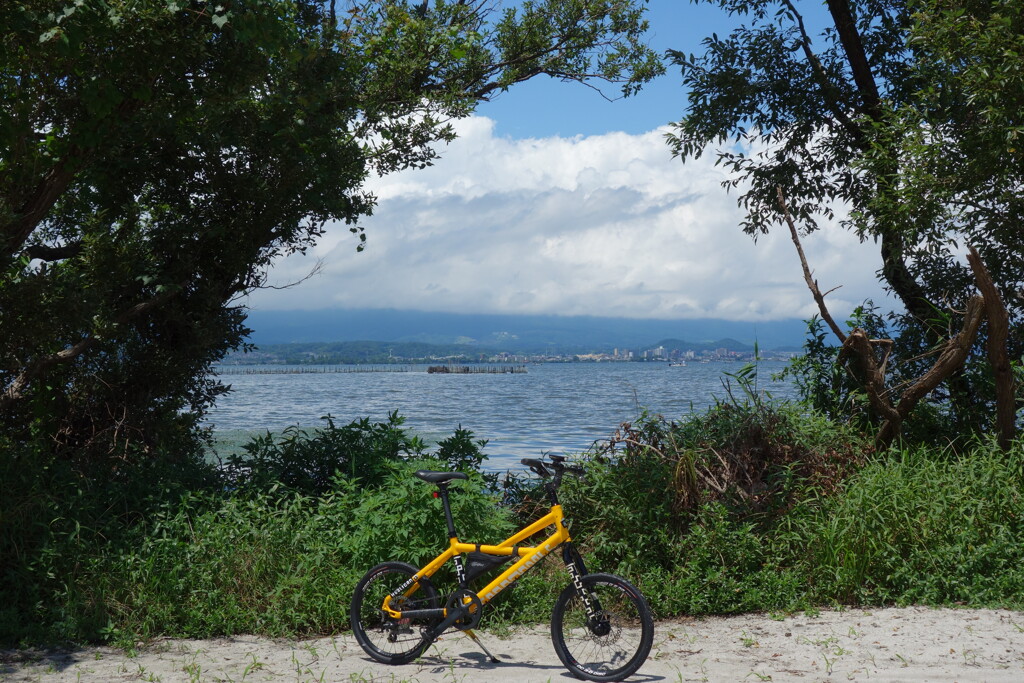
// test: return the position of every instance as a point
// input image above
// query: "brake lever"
(537, 467)
(557, 463)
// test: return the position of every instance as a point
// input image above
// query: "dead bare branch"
(812, 284)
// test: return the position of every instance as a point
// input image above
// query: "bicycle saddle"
(440, 477)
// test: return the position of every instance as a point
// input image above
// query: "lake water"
(553, 407)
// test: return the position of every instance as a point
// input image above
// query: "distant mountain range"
(517, 333)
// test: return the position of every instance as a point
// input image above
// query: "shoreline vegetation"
(751, 506)
(376, 353)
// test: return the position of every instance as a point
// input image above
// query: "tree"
(960, 139)
(880, 113)
(157, 156)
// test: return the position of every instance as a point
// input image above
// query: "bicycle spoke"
(384, 638)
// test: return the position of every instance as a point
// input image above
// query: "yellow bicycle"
(601, 625)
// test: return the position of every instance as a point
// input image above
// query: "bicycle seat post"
(443, 494)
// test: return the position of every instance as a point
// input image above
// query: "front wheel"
(613, 642)
(389, 640)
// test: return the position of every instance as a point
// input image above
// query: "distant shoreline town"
(379, 353)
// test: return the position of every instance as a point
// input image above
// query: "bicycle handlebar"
(540, 468)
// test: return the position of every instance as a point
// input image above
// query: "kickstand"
(471, 634)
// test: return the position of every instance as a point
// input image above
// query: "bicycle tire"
(620, 643)
(385, 639)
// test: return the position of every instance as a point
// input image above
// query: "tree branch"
(828, 88)
(45, 253)
(853, 46)
(14, 234)
(872, 374)
(15, 390)
(950, 360)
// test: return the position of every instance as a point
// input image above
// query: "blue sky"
(545, 107)
(556, 201)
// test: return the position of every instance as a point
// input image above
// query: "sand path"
(911, 644)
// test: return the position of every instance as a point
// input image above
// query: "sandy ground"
(913, 644)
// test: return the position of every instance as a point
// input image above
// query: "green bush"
(643, 492)
(723, 566)
(307, 461)
(173, 545)
(56, 517)
(279, 563)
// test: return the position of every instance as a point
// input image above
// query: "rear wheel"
(389, 640)
(612, 643)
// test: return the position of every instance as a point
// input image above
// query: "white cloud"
(607, 225)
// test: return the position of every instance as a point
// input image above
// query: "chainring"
(470, 611)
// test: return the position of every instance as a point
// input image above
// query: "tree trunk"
(14, 234)
(999, 357)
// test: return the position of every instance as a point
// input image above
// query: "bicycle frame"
(528, 557)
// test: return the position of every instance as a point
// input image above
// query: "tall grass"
(923, 526)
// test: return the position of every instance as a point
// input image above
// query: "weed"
(829, 662)
(253, 666)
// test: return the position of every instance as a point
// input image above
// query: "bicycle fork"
(597, 622)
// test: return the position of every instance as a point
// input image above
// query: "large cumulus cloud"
(606, 225)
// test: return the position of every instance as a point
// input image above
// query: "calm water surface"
(556, 407)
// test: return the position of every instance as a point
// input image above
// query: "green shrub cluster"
(692, 510)
(278, 563)
(749, 506)
(824, 525)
